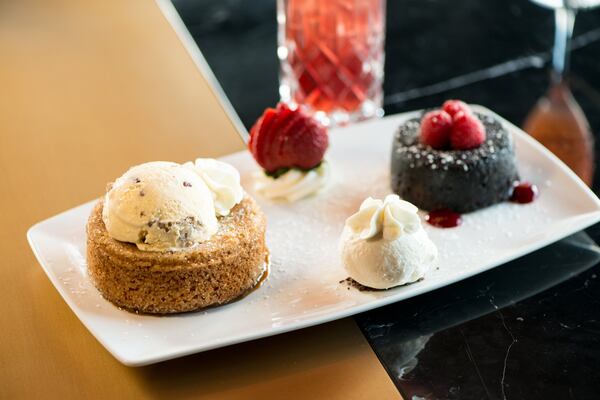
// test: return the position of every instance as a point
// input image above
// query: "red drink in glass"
(332, 55)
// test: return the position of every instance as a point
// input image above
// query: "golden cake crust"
(212, 273)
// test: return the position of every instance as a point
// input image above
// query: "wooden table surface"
(90, 88)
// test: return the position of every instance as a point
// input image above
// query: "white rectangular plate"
(303, 287)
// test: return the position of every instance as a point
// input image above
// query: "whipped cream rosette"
(384, 244)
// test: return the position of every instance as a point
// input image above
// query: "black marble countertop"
(527, 330)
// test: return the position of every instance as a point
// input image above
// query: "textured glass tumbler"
(331, 57)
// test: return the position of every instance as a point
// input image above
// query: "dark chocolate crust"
(461, 180)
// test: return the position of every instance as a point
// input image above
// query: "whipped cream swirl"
(384, 244)
(294, 184)
(222, 179)
(391, 217)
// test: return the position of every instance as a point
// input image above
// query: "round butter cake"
(217, 271)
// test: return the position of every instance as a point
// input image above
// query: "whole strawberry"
(287, 138)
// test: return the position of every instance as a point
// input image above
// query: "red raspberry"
(524, 192)
(467, 131)
(286, 138)
(454, 106)
(435, 129)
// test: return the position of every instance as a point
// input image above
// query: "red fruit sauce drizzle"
(443, 218)
(524, 192)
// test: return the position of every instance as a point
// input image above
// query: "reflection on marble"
(511, 332)
(406, 355)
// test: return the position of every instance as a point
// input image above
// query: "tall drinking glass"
(331, 54)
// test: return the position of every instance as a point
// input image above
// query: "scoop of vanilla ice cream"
(294, 184)
(384, 244)
(160, 206)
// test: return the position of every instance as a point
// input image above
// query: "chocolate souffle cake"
(446, 177)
